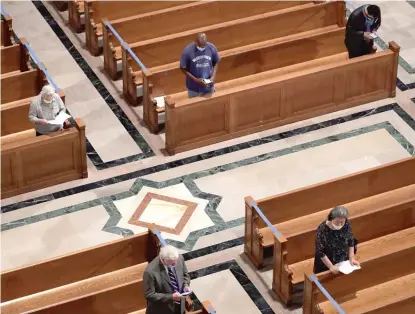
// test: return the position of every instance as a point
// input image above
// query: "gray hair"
(47, 90)
(338, 212)
(169, 253)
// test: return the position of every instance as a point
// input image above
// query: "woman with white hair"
(334, 242)
(45, 107)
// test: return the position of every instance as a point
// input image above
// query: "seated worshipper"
(46, 107)
(363, 21)
(199, 62)
(164, 280)
(334, 242)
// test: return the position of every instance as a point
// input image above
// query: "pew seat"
(16, 137)
(10, 73)
(365, 206)
(75, 290)
(76, 15)
(394, 296)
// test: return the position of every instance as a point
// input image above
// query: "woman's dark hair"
(374, 11)
(338, 212)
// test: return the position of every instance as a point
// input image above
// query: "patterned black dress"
(332, 243)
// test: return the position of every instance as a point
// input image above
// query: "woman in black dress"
(334, 242)
(361, 23)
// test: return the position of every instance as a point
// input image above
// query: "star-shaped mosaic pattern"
(168, 214)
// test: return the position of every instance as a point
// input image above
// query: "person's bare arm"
(215, 69)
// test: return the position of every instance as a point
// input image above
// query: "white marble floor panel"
(54, 237)
(222, 289)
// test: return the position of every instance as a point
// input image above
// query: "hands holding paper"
(354, 262)
(186, 291)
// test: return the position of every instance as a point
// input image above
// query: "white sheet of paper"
(207, 81)
(160, 101)
(186, 293)
(60, 118)
(373, 35)
(346, 267)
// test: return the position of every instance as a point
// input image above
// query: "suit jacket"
(157, 288)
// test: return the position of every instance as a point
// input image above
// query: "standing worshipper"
(334, 242)
(361, 23)
(199, 62)
(165, 278)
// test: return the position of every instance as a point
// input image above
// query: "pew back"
(15, 118)
(273, 98)
(239, 32)
(21, 85)
(256, 58)
(77, 266)
(14, 58)
(330, 193)
(97, 11)
(190, 16)
(125, 298)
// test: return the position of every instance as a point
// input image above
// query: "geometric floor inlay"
(168, 214)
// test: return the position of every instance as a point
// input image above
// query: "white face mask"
(200, 48)
(336, 227)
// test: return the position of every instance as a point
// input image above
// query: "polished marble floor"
(195, 197)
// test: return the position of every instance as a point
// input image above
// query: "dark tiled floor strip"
(185, 161)
(105, 94)
(243, 280)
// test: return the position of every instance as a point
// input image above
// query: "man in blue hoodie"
(199, 62)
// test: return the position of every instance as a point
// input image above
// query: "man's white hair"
(47, 90)
(169, 253)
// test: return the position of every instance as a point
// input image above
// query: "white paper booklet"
(346, 267)
(60, 118)
(160, 101)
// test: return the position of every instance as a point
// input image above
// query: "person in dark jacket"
(361, 23)
(334, 242)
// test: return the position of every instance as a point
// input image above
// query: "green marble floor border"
(384, 45)
(111, 225)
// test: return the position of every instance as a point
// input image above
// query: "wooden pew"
(277, 97)
(97, 11)
(232, 34)
(7, 33)
(294, 249)
(383, 285)
(23, 166)
(18, 136)
(14, 116)
(21, 87)
(78, 274)
(196, 14)
(321, 196)
(76, 15)
(61, 5)
(14, 58)
(240, 62)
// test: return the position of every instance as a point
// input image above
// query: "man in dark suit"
(165, 278)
